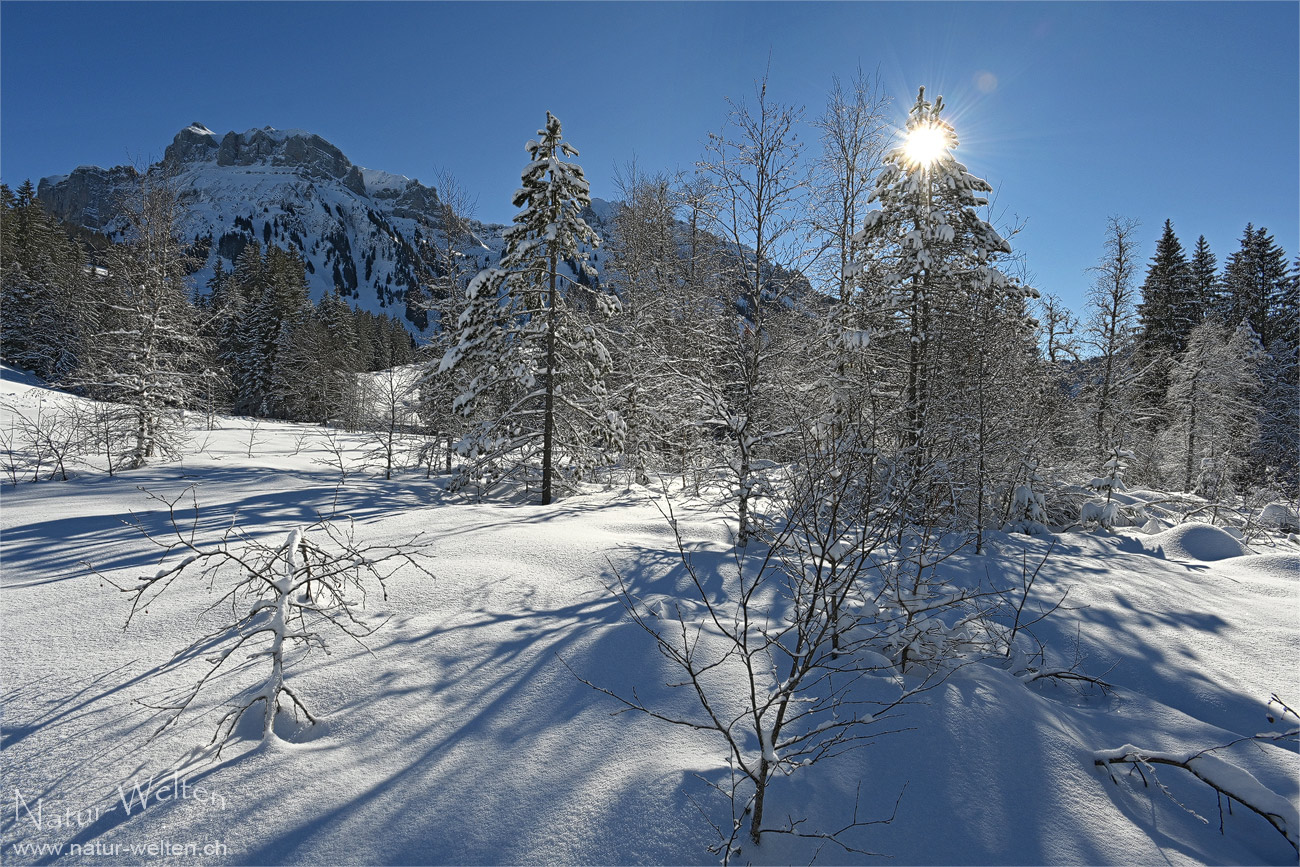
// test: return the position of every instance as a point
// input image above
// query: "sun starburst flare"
(926, 145)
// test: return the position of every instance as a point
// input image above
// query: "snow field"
(460, 736)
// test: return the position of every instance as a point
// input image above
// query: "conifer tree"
(343, 358)
(50, 308)
(1168, 311)
(148, 358)
(924, 246)
(528, 335)
(1277, 454)
(1254, 279)
(1204, 278)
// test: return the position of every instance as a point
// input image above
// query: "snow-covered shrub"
(1107, 514)
(1279, 516)
(1028, 504)
(279, 596)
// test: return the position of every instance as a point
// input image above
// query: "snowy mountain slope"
(460, 737)
(359, 229)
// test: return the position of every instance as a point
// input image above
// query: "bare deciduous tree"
(279, 596)
(1111, 330)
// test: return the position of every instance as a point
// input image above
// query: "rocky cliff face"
(357, 230)
(87, 197)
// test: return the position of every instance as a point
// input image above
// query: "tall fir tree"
(1204, 278)
(1169, 309)
(50, 302)
(1254, 279)
(924, 248)
(528, 335)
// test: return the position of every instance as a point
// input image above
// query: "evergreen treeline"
(948, 382)
(921, 357)
(254, 343)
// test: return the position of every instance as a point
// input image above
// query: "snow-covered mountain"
(356, 228)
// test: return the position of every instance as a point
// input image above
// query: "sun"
(925, 144)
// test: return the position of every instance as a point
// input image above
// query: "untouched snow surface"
(460, 737)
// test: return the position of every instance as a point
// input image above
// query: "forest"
(778, 299)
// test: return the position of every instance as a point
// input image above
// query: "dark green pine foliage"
(1277, 452)
(1204, 277)
(1255, 279)
(1284, 308)
(44, 289)
(1169, 310)
(268, 302)
(248, 352)
(342, 357)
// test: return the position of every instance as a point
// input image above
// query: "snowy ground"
(461, 737)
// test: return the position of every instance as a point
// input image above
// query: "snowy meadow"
(457, 727)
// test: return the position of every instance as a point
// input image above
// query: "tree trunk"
(548, 416)
(760, 789)
(742, 533)
(1191, 436)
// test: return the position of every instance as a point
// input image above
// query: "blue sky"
(1187, 111)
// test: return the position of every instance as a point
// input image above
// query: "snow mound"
(1281, 566)
(1194, 542)
(1279, 515)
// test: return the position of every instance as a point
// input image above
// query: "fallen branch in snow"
(1227, 779)
(1065, 674)
(280, 596)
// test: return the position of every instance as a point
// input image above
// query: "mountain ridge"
(358, 230)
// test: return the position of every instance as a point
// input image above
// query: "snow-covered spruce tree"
(528, 337)
(1106, 514)
(146, 360)
(924, 249)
